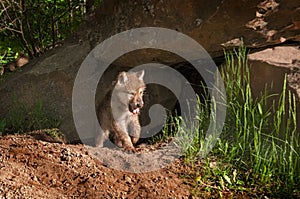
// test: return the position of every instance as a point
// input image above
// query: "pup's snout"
(139, 104)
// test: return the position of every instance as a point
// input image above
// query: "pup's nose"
(139, 104)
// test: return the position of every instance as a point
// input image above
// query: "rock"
(214, 24)
(49, 78)
(127, 179)
(269, 68)
(18, 63)
(22, 60)
(1, 70)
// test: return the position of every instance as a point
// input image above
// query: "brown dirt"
(31, 168)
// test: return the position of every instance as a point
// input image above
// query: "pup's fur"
(118, 113)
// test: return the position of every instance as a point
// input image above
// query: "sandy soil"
(31, 168)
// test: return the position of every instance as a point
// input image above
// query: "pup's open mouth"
(136, 111)
(133, 110)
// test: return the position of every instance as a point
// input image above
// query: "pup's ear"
(122, 78)
(140, 74)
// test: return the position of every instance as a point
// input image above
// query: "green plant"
(258, 152)
(54, 132)
(171, 126)
(35, 26)
(23, 118)
(7, 55)
(264, 138)
(2, 126)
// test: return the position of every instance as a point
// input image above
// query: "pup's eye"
(131, 93)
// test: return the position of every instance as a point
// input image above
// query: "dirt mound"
(32, 168)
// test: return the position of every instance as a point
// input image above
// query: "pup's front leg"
(134, 129)
(122, 138)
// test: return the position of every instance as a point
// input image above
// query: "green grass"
(170, 127)
(54, 132)
(2, 126)
(23, 118)
(258, 152)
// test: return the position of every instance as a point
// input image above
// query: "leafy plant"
(37, 25)
(34, 26)
(54, 132)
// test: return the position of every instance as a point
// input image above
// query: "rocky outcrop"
(214, 24)
(270, 67)
(49, 79)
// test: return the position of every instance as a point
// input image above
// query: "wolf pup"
(118, 113)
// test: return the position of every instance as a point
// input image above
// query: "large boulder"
(269, 69)
(214, 24)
